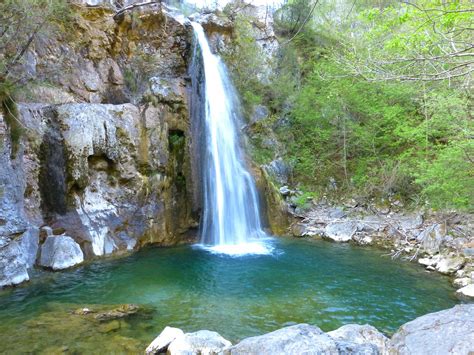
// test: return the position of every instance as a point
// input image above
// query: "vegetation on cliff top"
(373, 95)
(24, 24)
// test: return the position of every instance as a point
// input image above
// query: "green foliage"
(22, 24)
(448, 180)
(373, 131)
(10, 112)
(246, 63)
(304, 200)
(136, 74)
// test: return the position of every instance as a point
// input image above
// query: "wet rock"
(60, 252)
(340, 231)
(296, 339)
(361, 334)
(162, 341)
(447, 332)
(200, 342)
(109, 326)
(467, 292)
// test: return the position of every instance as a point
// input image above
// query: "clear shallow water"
(301, 281)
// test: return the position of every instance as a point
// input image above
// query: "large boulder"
(201, 342)
(17, 256)
(340, 231)
(449, 265)
(13, 269)
(60, 252)
(162, 341)
(447, 332)
(361, 334)
(296, 339)
(431, 238)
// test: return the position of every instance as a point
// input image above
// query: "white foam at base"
(250, 248)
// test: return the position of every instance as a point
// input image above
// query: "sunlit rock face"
(104, 159)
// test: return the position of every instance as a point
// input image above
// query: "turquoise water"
(314, 282)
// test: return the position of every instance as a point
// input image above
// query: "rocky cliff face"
(104, 164)
(104, 155)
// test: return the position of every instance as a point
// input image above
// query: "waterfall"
(230, 221)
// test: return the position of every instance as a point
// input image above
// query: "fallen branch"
(131, 7)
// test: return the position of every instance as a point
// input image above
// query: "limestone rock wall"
(103, 162)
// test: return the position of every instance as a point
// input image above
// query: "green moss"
(11, 114)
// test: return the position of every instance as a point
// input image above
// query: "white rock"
(428, 261)
(202, 342)
(466, 291)
(13, 269)
(462, 282)
(450, 265)
(446, 332)
(60, 252)
(163, 340)
(296, 339)
(340, 231)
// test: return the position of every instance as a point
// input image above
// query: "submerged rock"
(60, 252)
(361, 334)
(447, 332)
(296, 339)
(200, 342)
(122, 311)
(162, 341)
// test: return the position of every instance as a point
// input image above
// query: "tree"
(22, 22)
(427, 40)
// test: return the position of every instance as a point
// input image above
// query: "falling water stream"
(230, 220)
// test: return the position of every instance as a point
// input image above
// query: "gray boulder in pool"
(60, 252)
(446, 332)
(200, 342)
(296, 339)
